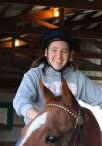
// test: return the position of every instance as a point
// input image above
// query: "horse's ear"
(46, 92)
(68, 97)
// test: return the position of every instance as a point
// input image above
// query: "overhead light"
(17, 43)
(56, 12)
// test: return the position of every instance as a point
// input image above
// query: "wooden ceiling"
(82, 18)
(27, 20)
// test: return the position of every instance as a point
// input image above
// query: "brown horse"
(62, 122)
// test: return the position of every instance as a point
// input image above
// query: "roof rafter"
(89, 34)
(93, 4)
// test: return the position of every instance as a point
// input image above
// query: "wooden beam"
(46, 24)
(86, 65)
(90, 68)
(82, 33)
(88, 54)
(96, 78)
(79, 4)
(85, 21)
(86, 34)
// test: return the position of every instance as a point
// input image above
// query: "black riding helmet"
(56, 35)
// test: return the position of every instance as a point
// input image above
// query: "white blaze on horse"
(62, 122)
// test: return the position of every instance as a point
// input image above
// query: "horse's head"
(58, 124)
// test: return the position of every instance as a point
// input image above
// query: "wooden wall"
(8, 137)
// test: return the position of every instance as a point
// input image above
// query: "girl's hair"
(39, 61)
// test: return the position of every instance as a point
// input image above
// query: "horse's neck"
(91, 133)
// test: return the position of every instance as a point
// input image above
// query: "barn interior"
(22, 23)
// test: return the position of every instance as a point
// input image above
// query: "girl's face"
(58, 54)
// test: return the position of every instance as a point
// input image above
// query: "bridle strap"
(78, 124)
(77, 116)
(68, 110)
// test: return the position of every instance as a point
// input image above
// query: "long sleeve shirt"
(29, 94)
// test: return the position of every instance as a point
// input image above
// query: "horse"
(62, 122)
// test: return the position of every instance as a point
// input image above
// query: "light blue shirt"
(29, 94)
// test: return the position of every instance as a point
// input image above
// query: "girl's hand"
(32, 113)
